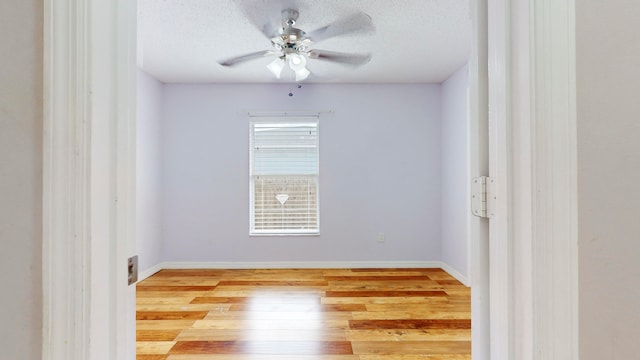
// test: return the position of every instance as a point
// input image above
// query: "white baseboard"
(456, 274)
(150, 271)
(302, 265)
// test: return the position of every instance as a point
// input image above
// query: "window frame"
(283, 120)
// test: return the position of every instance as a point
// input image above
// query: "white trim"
(555, 238)
(521, 182)
(281, 114)
(534, 289)
(455, 273)
(125, 105)
(257, 178)
(66, 178)
(479, 166)
(299, 264)
(150, 271)
(500, 160)
(87, 180)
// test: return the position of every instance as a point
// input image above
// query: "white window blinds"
(284, 176)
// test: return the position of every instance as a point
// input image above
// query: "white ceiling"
(416, 41)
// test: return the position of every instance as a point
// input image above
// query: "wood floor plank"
(171, 315)
(387, 286)
(416, 357)
(157, 335)
(388, 300)
(410, 324)
(166, 294)
(183, 307)
(440, 276)
(302, 294)
(409, 335)
(274, 307)
(190, 272)
(154, 347)
(151, 357)
(450, 282)
(279, 316)
(261, 335)
(383, 272)
(150, 300)
(263, 347)
(399, 293)
(458, 291)
(379, 278)
(274, 274)
(411, 347)
(164, 324)
(303, 314)
(421, 314)
(413, 290)
(218, 300)
(143, 288)
(415, 307)
(266, 290)
(263, 357)
(273, 283)
(390, 270)
(180, 281)
(257, 324)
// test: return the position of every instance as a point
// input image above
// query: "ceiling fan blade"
(263, 15)
(342, 58)
(268, 29)
(356, 23)
(248, 57)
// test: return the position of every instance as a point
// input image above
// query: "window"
(284, 176)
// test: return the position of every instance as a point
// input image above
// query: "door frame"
(478, 147)
(89, 179)
(533, 159)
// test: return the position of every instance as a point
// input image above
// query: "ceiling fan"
(292, 45)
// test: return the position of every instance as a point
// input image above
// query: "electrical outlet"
(381, 237)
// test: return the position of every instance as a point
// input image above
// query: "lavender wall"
(455, 172)
(148, 171)
(380, 159)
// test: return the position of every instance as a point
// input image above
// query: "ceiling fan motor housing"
(289, 17)
(290, 35)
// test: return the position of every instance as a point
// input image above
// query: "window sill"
(305, 234)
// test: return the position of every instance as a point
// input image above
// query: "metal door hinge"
(483, 196)
(132, 270)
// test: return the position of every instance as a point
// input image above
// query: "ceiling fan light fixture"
(302, 74)
(297, 61)
(276, 67)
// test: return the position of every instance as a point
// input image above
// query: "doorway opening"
(465, 100)
(83, 294)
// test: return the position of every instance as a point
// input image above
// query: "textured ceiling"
(416, 41)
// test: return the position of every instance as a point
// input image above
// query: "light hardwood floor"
(303, 314)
